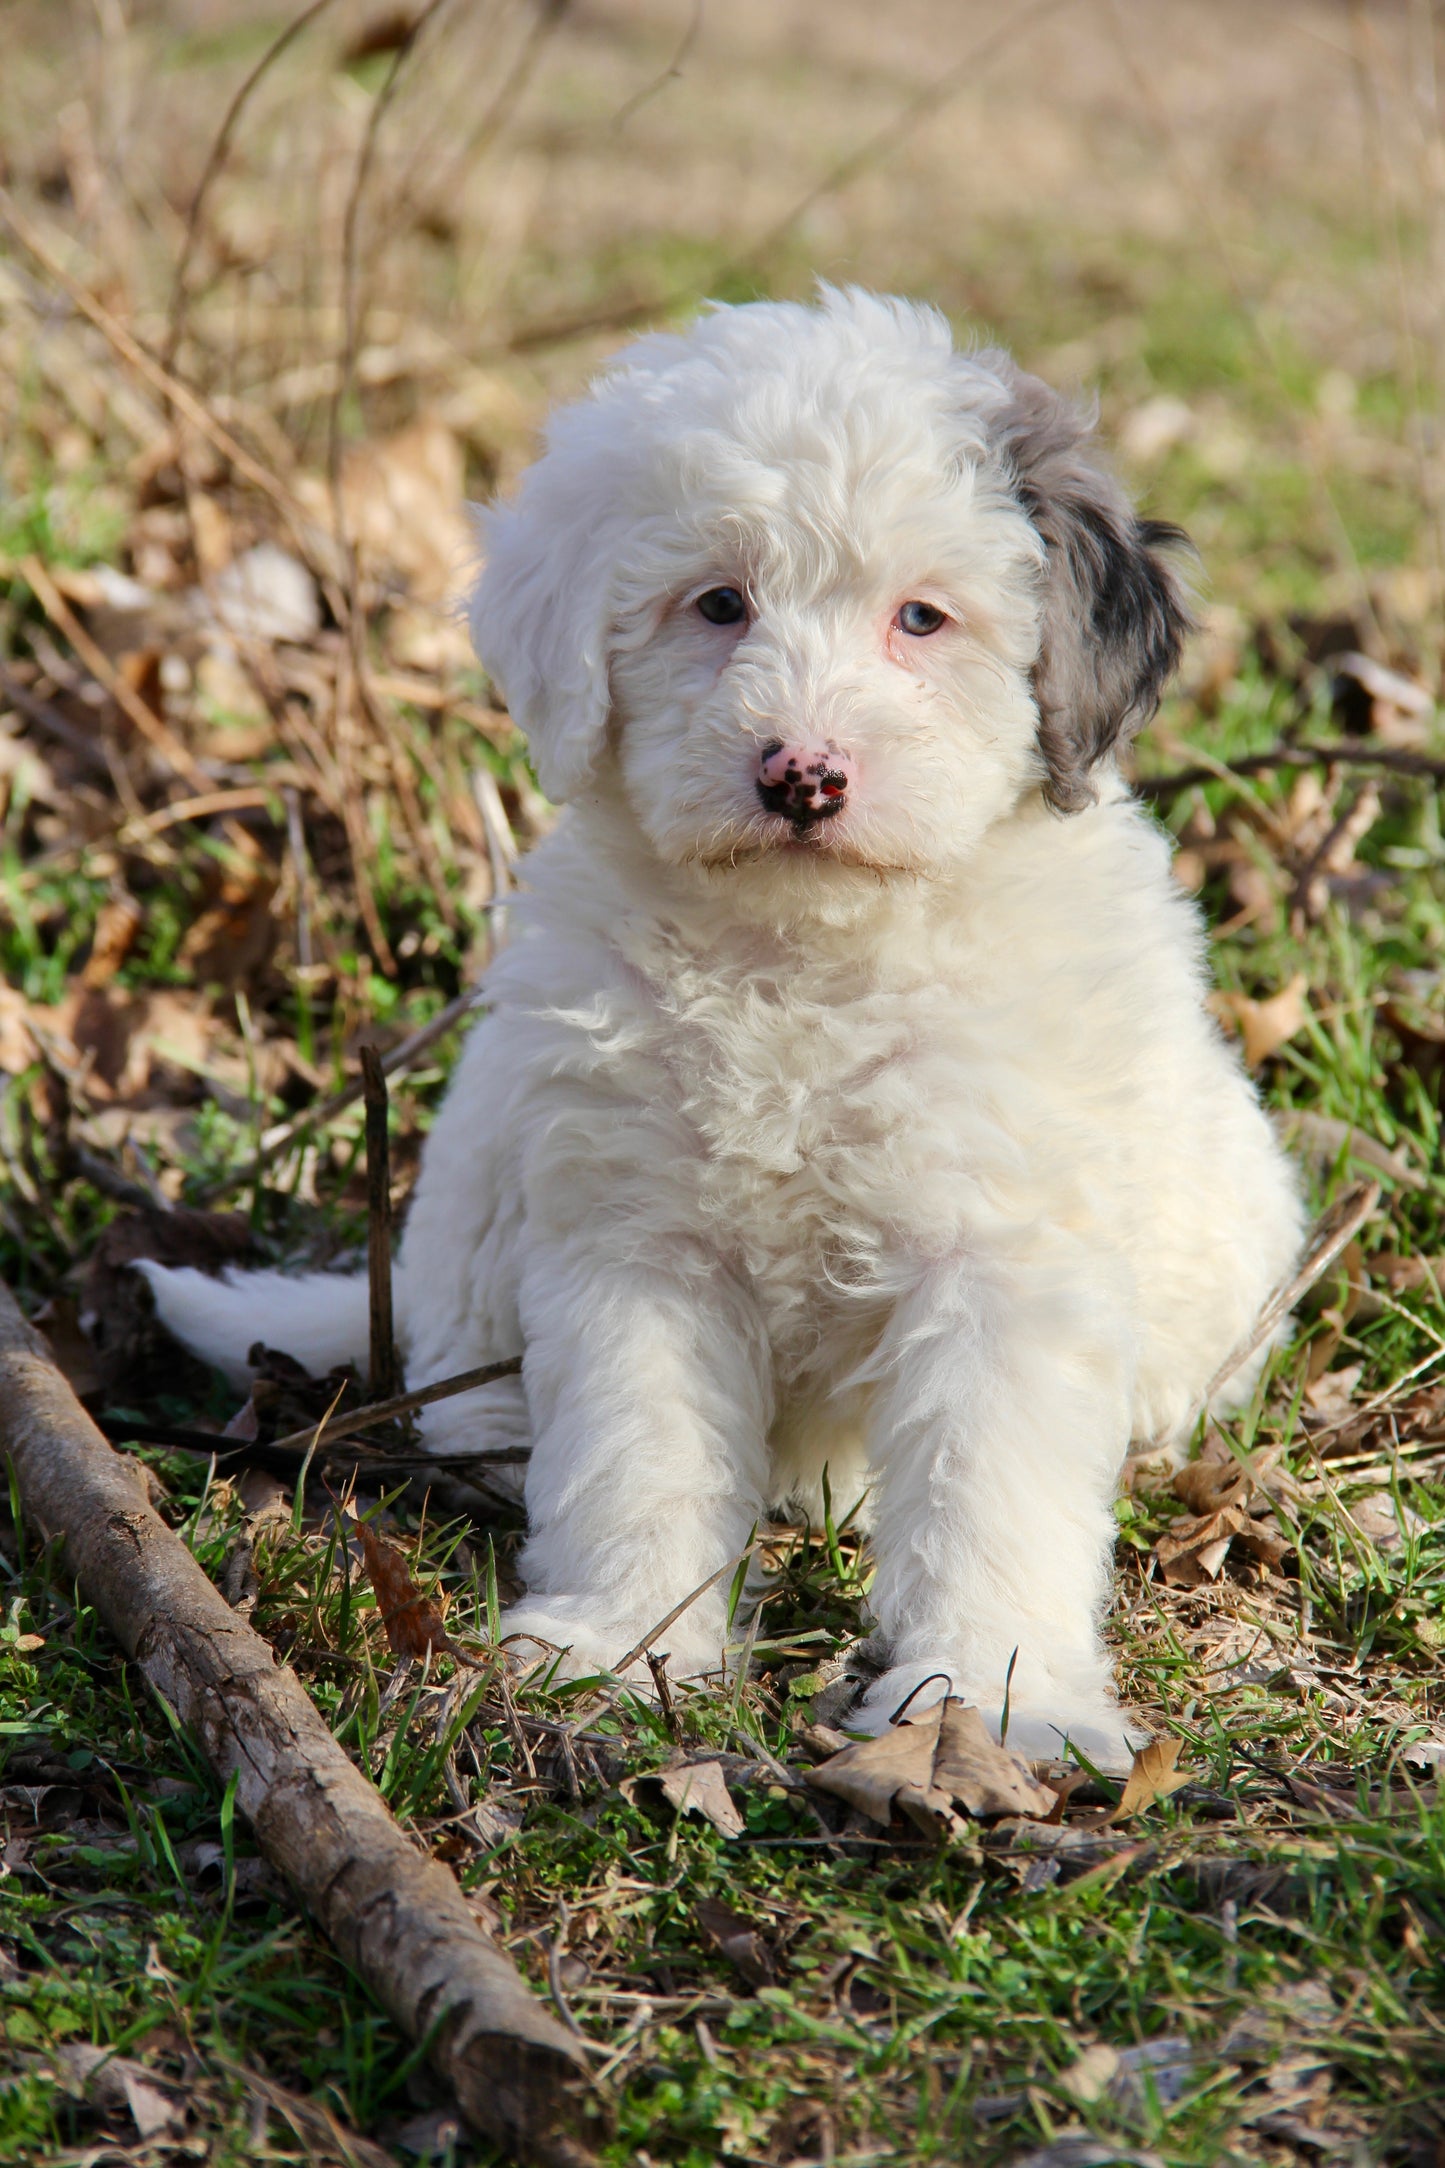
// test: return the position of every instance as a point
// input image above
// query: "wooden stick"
(382, 1381)
(395, 1914)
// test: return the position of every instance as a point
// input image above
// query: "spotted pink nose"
(804, 783)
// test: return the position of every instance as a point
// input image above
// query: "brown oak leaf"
(925, 1766)
(413, 1621)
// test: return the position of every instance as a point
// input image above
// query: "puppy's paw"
(918, 1686)
(1103, 1734)
(1041, 1730)
(536, 1637)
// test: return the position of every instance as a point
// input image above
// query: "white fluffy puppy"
(847, 1099)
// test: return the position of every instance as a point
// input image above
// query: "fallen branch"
(1344, 752)
(395, 1915)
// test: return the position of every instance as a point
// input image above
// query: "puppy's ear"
(541, 618)
(1113, 616)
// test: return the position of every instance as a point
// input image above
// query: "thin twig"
(751, 260)
(157, 734)
(1331, 1234)
(162, 380)
(556, 1948)
(1346, 752)
(215, 160)
(375, 710)
(336, 1427)
(383, 1411)
(672, 73)
(109, 1180)
(604, 1702)
(382, 1376)
(448, 183)
(244, 798)
(284, 1455)
(48, 718)
(401, 1057)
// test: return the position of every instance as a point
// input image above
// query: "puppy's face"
(817, 593)
(833, 664)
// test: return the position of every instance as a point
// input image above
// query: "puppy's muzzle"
(804, 784)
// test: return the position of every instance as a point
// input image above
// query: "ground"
(260, 810)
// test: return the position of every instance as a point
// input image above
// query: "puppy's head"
(807, 585)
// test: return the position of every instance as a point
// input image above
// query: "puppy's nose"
(804, 783)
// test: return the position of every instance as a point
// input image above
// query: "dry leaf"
(1153, 1777)
(1193, 1550)
(822, 1741)
(701, 1788)
(1408, 1275)
(262, 1494)
(401, 499)
(116, 928)
(266, 595)
(738, 1941)
(1329, 1396)
(1264, 1025)
(869, 1774)
(1088, 2079)
(1216, 1479)
(1323, 1139)
(1400, 709)
(923, 1766)
(74, 1350)
(116, 1038)
(981, 1776)
(236, 932)
(1220, 1489)
(1385, 1523)
(115, 2081)
(413, 1622)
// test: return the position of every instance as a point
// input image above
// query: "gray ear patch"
(1114, 616)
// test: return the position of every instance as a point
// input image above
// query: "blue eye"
(919, 619)
(722, 606)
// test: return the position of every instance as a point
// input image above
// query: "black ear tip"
(1162, 534)
(1178, 557)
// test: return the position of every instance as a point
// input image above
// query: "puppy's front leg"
(649, 1386)
(1002, 1419)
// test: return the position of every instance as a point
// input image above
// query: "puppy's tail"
(321, 1319)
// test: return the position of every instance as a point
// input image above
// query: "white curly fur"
(904, 1147)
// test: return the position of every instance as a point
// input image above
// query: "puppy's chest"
(807, 1112)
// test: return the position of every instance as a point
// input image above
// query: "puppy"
(846, 1100)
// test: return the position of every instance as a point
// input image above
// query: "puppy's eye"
(722, 606)
(919, 618)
